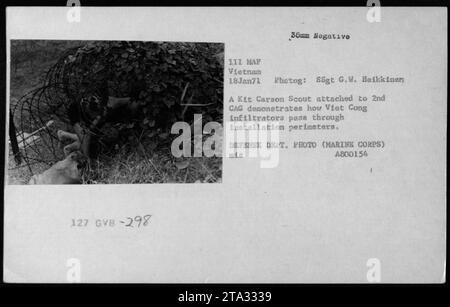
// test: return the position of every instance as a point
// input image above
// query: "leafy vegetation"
(169, 82)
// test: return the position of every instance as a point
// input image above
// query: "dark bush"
(159, 77)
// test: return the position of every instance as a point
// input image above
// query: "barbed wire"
(41, 113)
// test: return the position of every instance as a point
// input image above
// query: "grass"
(127, 167)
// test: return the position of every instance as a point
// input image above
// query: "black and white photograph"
(102, 112)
